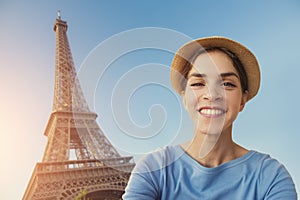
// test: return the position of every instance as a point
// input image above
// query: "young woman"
(215, 77)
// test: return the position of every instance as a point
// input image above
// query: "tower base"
(70, 179)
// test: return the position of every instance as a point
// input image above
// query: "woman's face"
(213, 96)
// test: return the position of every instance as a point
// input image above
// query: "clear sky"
(122, 50)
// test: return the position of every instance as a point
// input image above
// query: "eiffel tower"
(78, 159)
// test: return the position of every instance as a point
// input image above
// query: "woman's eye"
(228, 84)
(197, 84)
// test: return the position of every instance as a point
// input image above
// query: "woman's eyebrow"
(197, 75)
(224, 75)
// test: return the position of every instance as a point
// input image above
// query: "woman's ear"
(244, 100)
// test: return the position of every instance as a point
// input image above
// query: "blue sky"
(27, 54)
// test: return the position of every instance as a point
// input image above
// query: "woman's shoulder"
(274, 177)
(159, 158)
(270, 169)
(264, 160)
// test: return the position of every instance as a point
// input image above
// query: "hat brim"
(184, 54)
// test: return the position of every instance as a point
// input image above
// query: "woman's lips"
(211, 111)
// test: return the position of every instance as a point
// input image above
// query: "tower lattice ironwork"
(78, 157)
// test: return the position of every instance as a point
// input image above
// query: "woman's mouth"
(211, 112)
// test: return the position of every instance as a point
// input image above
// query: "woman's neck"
(212, 150)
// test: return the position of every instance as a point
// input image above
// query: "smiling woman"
(213, 95)
(215, 77)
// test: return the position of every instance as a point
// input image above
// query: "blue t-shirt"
(170, 173)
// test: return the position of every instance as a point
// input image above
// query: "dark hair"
(238, 65)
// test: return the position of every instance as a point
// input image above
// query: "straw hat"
(184, 54)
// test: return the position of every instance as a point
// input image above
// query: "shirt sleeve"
(144, 180)
(139, 188)
(277, 181)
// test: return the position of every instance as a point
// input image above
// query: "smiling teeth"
(211, 111)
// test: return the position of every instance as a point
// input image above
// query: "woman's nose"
(213, 94)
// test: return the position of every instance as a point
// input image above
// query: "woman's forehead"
(212, 63)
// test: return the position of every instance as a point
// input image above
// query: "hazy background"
(269, 123)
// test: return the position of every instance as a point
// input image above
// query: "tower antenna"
(58, 14)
